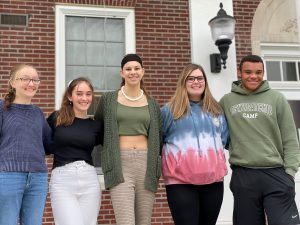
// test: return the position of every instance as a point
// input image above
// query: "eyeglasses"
(192, 79)
(26, 80)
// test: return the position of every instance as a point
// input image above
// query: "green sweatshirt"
(262, 129)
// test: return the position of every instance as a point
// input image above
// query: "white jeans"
(75, 194)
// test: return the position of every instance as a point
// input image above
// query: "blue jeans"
(22, 196)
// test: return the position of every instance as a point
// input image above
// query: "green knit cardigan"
(110, 155)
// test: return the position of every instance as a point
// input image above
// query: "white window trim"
(61, 11)
(283, 52)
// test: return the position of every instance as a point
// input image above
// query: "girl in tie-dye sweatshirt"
(193, 161)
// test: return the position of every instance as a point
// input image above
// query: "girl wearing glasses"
(74, 188)
(25, 137)
(193, 162)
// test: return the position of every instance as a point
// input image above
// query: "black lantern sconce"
(222, 30)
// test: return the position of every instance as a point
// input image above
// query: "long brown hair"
(66, 115)
(11, 94)
(180, 104)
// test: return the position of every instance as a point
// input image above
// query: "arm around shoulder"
(99, 114)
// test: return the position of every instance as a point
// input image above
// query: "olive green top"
(133, 120)
(110, 155)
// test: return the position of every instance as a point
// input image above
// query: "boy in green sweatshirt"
(264, 149)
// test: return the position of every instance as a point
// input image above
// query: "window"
(91, 42)
(94, 48)
(283, 70)
(282, 67)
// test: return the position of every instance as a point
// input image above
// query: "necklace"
(131, 99)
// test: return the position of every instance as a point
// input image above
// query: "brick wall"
(162, 39)
(243, 11)
(34, 45)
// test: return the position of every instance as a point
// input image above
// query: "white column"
(298, 18)
(202, 44)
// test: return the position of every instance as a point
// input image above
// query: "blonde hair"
(11, 95)
(180, 103)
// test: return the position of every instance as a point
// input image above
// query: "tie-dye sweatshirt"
(193, 150)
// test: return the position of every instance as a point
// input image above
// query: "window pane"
(116, 52)
(95, 29)
(97, 76)
(95, 53)
(289, 71)
(75, 28)
(74, 72)
(100, 80)
(113, 78)
(75, 53)
(273, 70)
(114, 30)
(98, 53)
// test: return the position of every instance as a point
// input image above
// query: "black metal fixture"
(222, 30)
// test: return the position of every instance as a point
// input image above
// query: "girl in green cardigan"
(132, 143)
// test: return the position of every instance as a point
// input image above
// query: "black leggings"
(195, 204)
